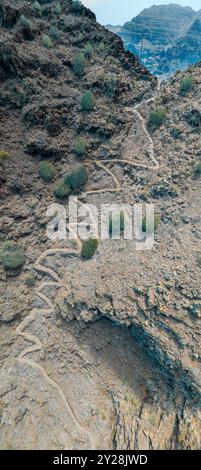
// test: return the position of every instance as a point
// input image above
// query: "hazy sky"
(119, 11)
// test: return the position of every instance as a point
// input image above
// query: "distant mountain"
(166, 37)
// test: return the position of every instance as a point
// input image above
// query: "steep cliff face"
(166, 37)
(105, 352)
(185, 51)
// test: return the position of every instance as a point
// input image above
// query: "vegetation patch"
(176, 133)
(80, 148)
(193, 117)
(47, 42)
(47, 171)
(157, 118)
(76, 6)
(76, 179)
(186, 85)
(110, 88)
(62, 190)
(54, 32)
(3, 156)
(26, 22)
(37, 7)
(11, 256)
(88, 50)
(79, 65)
(102, 47)
(89, 248)
(58, 9)
(87, 102)
(146, 225)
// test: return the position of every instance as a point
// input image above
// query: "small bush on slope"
(47, 42)
(54, 32)
(102, 47)
(11, 257)
(62, 190)
(88, 50)
(58, 9)
(26, 23)
(77, 6)
(89, 248)
(47, 171)
(87, 102)
(76, 179)
(186, 85)
(79, 65)
(37, 7)
(156, 118)
(3, 156)
(145, 223)
(80, 148)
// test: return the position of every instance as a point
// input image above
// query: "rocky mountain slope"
(166, 37)
(105, 352)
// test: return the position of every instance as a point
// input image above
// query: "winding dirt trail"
(57, 283)
(37, 344)
(150, 150)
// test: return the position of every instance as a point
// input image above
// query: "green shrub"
(157, 118)
(89, 248)
(11, 257)
(80, 148)
(76, 178)
(87, 102)
(186, 85)
(79, 65)
(58, 9)
(3, 156)
(62, 190)
(76, 6)
(197, 170)
(88, 50)
(54, 32)
(26, 23)
(47, 171)
(102, 47)
(146, 225)
(47, 42)
(37, 7)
